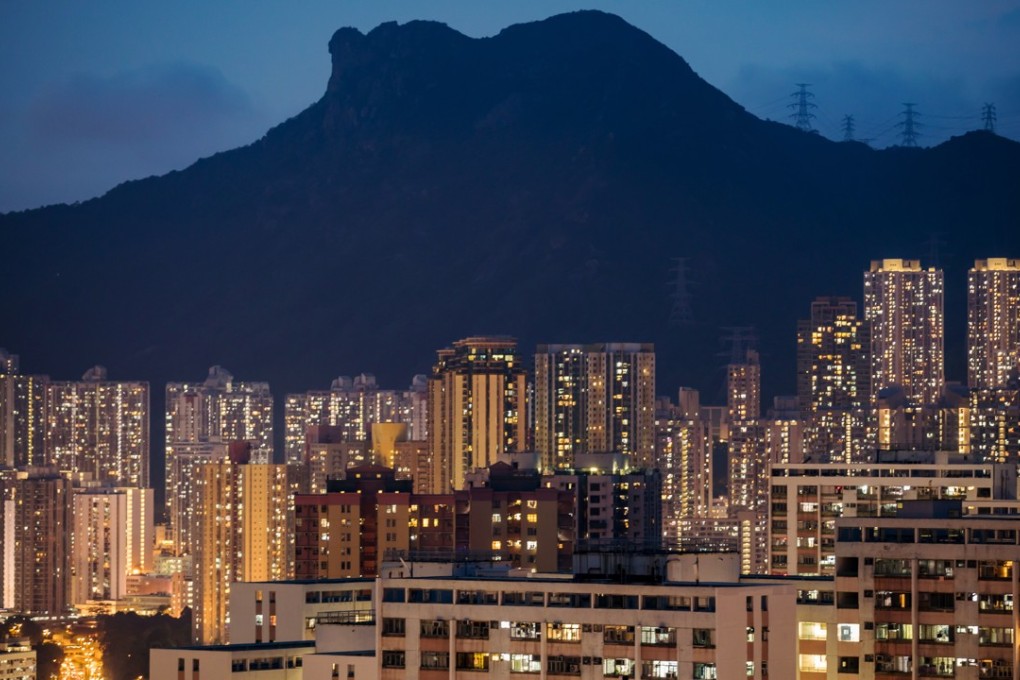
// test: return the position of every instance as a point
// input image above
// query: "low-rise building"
(17, 659)
(267, 661)
(934, 593)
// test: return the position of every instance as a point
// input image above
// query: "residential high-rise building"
(112, 537)
(784, 432)
(903, 303)
(748, 460)
(201, 419)
(995, 424)
(22, 414)
(34, 542)
(993, 322)
(834, 380)
(476, 407)
(99, 429)
(244, 533)
(594, 399)
(353, 406)
(743, 388)
(945, 425)
(683, 457)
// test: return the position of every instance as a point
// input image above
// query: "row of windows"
(659, 636)
(956, 536)
(541, 599)
(554, 665)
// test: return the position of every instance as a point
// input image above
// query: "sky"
(97, 93)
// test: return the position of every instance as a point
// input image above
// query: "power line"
(802, 106)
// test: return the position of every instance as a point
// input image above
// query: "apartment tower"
(98, 429)
(22, 414)
(993, 322)
(834, 379)
(476, 407)
(244, 533)
(595, 398)
(904, 305)
(202, 418)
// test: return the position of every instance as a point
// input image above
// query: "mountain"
(537, 183)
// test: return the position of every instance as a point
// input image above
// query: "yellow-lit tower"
(476, 407)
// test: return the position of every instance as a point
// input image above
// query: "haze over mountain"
(537, 183)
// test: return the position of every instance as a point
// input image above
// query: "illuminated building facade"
(594, 399)
(834, 380)
(360, 520)
(476, 407)
(245, 533)
(806, 499)
(993, 322)
(936, 593)
(112, 538)
(946, 425)
(784, 432)
(353, 406)
(17, 659)
(903, 303)
(35, 541)
(743, 389)
(683, 457)
(995, 424)
(201, 419)
(328, 454)
(748, 458)
(613, 503)
(99, 429)
(22, 414)
(687, 625)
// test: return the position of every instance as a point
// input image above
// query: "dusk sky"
(98, 93)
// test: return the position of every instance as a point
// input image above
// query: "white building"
(112, 537)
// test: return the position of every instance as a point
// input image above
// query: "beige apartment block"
(806, 499)
(935, 595)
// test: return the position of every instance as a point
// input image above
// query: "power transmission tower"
(848, 128)
(935, 246)
(909, 134)
(988, 117)
(680, 314)
(802, 106)
(738, 339)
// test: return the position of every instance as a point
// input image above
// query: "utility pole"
(988, 117)
(802, 106)
(848, 128)
(909, 134)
